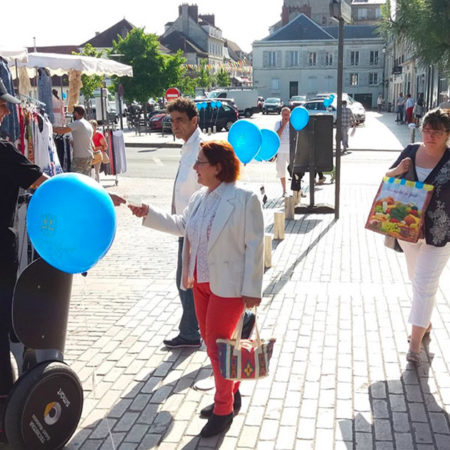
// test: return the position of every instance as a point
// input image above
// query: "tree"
(153, 72)
(424, 25)
(204, 78)
(90, 82)
(223, 79)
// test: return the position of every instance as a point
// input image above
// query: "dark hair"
(79, 110)
(183, 105)
(437, 119)
(55, 93)
(221, 152)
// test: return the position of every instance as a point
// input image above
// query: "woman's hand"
(250, 302)
(402, 168)
(117, 199)
(139, 211)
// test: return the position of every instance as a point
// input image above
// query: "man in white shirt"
(282, 128)
(81, 130)
(184, 115)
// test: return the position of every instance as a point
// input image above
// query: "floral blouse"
(437, 217)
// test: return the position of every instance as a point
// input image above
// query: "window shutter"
(265, 58)
(278, 61)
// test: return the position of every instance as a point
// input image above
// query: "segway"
(45, 404)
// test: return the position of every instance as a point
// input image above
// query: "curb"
(153, 144)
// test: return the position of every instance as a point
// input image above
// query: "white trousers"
(281, 163)
(425, 264)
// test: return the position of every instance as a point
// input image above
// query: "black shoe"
(216, 425)
(179, 342)
(249, 323)
(207, 411)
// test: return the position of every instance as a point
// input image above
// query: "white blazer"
(236, 242)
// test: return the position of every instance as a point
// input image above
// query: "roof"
(178, 41)
(301, 28)
(354, 31)
(106, 38)
(62, 49)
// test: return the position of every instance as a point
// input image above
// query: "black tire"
(228, 125)
(247, 113)
(44, 408)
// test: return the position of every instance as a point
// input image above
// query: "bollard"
(204, 130)
(214, 129)
(209, 131)
(278, 225)
(297, 197)
(412, 132)
(289, 207)
(267, 250)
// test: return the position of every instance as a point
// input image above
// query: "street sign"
(172, 94)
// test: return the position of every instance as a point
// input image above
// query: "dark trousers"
(8, 273)
(188, 325)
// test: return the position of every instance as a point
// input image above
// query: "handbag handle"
(237, 333)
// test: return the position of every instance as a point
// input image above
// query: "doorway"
(293, 88)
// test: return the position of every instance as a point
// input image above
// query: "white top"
(198, 231)
(82, 138)
(186, 181)
(409, 102)
(284, 139)
(422, 173)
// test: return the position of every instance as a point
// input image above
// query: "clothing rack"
(32, 100)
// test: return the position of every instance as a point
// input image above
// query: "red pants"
(409, 114)
(217, 318)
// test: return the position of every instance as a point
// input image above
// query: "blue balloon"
(64, 95)
(332, 97)
(299, 117)
(269, 146)
(245, 138)
(327, 102)
(71, 222)
(199, 105)
(213, 104)
(219, 104)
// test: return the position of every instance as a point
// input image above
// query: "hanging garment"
(120, 156)
(58, 112)
(63, 149)
(24, 82)
(45, 91)
(9, 128)
(75, 85)
(45, 153)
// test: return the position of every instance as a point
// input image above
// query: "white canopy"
(59, 64)
(11, 54)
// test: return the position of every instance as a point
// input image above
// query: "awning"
(11, 54)
(59, 64)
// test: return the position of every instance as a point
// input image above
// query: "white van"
(246, 99)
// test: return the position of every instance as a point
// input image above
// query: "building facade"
(300, 58)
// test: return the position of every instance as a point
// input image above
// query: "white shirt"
(284, 138)
(409, 102)
(186, 181)
(422, 173)
(198, 231)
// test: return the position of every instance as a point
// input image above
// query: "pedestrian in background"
(400, 108)
(100, 146)
(419, 109)
(347, 121)
(409, 106)
(380, 103)
(223, 230)
(282, 128)
(81, 130)
(427, 258)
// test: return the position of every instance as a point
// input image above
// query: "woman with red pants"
(222, 260)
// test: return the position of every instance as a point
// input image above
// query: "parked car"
(166, 126)
(272, 104)
(316, 107)
(297, 100)
(156, 121)
(357, 108)
(222, 117)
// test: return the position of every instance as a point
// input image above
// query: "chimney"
(210, 18)
(193, 12)
(284, 15)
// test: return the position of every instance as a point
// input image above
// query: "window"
(270, 59)
(275, 84)
(312, 59)
(378, 13)
(354, 58)
(374, 57)
(292, 58)
(329, 59)
(373, 78)
(354, 79)
(362, 13)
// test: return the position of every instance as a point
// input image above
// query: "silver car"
(316, 107)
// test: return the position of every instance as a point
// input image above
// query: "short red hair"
(221, 152)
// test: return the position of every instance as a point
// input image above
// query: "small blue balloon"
(299, 117)
(219, 104)
(327, 102)
(245, 138)
(332, 97)
(71, 222)
(199, 105)
(64, 95)
(269, 146)
(213, 104)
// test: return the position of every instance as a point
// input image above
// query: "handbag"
(244, 359)
(105, 158)
(97, 159)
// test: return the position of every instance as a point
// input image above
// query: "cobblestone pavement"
(336, 300)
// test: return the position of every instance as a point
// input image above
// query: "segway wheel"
(44, 408)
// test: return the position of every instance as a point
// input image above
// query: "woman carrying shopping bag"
(427, 258)
(222, 260)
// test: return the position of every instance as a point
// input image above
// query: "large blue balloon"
(299, 117)
(245, 138)
(71, 222)
(270, 145)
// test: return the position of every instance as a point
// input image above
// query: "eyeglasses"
(199, 163)
(433, 133)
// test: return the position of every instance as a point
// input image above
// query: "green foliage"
(223, 79)
(153, 72)
(425, 26)
(90, 82)
(203, 77)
